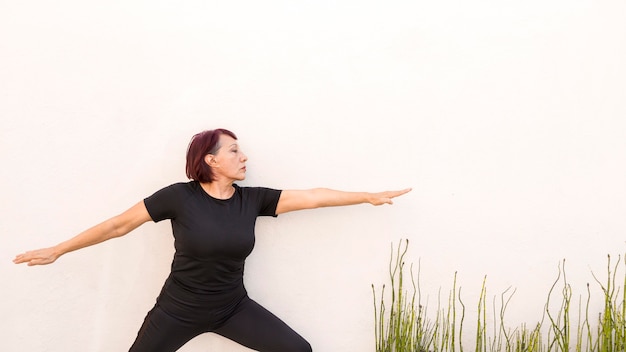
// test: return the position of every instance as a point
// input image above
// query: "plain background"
(506, 117)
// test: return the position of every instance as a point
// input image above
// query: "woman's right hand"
(37, 257)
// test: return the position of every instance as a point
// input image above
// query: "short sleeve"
(266, 199)
(164, 203)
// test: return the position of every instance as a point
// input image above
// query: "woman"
(213, 223)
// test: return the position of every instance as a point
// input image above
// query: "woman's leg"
(255, 327)
(163, 333)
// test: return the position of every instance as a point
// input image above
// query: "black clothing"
(250, 325)
(204, 291)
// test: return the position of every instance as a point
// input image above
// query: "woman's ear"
(209, 159)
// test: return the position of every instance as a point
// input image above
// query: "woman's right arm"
(114, 227)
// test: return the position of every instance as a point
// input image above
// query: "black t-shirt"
(212, 237)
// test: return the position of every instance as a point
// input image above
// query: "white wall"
(507, 118)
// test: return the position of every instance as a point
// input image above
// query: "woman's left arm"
(291, 200)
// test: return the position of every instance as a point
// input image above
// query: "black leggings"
(251, 325)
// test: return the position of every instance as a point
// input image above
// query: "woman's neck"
(219, 190)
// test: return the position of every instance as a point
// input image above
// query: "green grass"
(402, 322)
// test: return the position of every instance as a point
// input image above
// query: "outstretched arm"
(291, 200)
(114, 227)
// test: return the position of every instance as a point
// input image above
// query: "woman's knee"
(293, 342)
(305, 347)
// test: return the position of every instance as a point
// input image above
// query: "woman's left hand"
(386, 197)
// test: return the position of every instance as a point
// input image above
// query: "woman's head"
(203, 143)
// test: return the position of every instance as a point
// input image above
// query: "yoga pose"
(213, 222)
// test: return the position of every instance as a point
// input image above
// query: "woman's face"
(228, 161)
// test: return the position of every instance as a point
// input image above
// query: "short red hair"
(203, 143)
